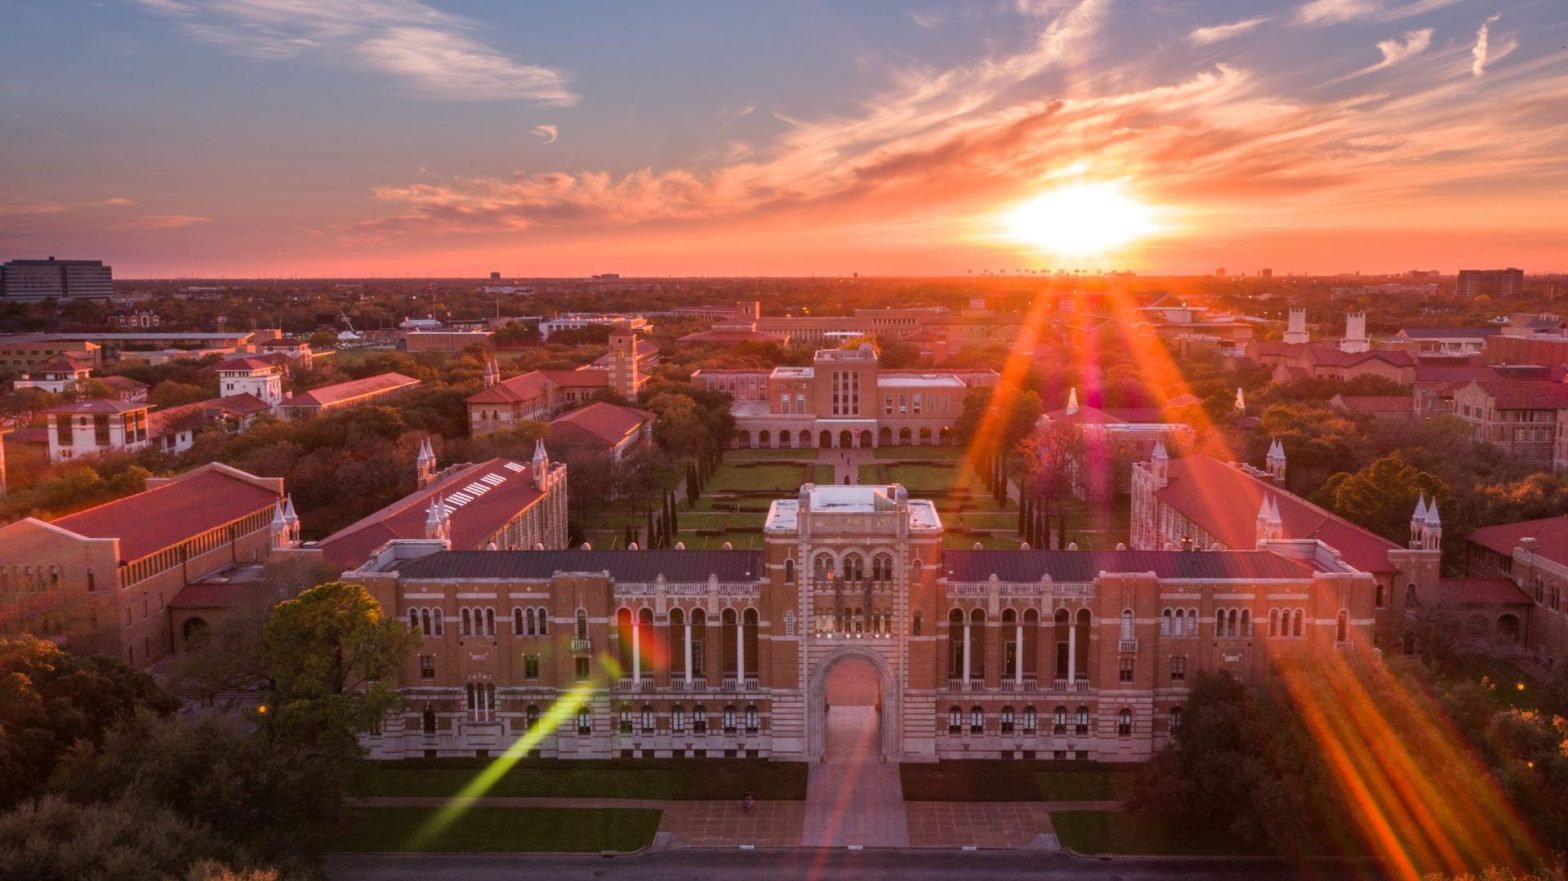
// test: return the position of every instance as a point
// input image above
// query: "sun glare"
(1081, 219)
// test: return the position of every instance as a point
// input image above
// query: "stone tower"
(625, 375)
(1296, 330)
(1355, 340)
(425, 465)
(1276, 462)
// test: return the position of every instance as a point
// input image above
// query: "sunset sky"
(456, 137)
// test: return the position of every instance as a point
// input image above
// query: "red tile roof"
(243, 404)
(1223, 500)
(1550, 534)
(245, 364)
(733, 336)
(164, 516)
(581, 378)
(1473, 592)
(1526, 394)
(518, 389)
(95, 406)
(598, 424)
(123, 383)
(345, 392)
(511, 491)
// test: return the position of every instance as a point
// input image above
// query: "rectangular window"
(887, 405)
(101, 430)
(582, 669)
(427, 666)
(62, 431)
(1124, 674)
(530, 666)
(915, 403)
(1178, 668)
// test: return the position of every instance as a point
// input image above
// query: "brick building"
(977, 654)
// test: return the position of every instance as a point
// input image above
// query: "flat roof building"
(51, 279)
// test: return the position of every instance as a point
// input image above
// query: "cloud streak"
(1329, 12)
(546, 134)
(1222, 32)
(433, 53)
(1479, 53)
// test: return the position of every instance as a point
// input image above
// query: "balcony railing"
(627, 683)
(1127, 645)
(1012, 683)
(1063, 685)
(972, 684)
(582, 645)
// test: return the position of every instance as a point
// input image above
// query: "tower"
(625, 375)
(1160, 464)
(1426, 528)
(1270, 526)
(541, 467)
(1241, 402)
(1355, 334)
(1276, 462)
(1072, 401)
(438, 526)
(1296, 330)
(425, 465)
(492, 371)
(285, 524)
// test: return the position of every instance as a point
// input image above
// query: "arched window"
(1059, 720)
(854, 568)
(914, 571)
(955, 720)
(517, 621)
(699, 719)
(1127, 624)
(582, 624)
(1165, 623)
(678, 719)
(1273, 622)
(648, 726)
(531, 716)
(1296, 627)
(789, 571)
(413, 620)
(1007, 720)
(976, 720)
(1031, 720)
(467, 627)
(1082, 720)
(584, 721)
(1232, 621)
(543, 620)
(439, 623)
(1378, 597)
(1246, 622)
(626, 718)
(729, 719)
(1342, 627)
(489, 621)
(753, 719)
(1124, 723)
(821, 567)
(1175, 719)
(424, 620)
(882, 568)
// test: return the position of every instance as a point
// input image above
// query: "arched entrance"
(853, 713)
(826, 440)
(845, 440)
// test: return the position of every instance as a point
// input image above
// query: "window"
(517, 622)
(1342, 627)
(430, 721)
(1124, 673)
(489, 622)
(584, 721)
(481, 700)
(626, 718)
(1246, 622)
(1082, 720)
(1007, 720)
(699, 719)
(789, 571)
(530, 666)
(1274, 622)
(678, 720)
(1031, 720)
(753, 719)
(1059, 720)
(976, 720)
(648, 726)
(582, 671)
(1378, 597)
(467, 627)
(531, 717)
(439, 625)
(914, 624)
(1165, 623)
(1124, 723)
(1178, 668)
(955, 720)
(427, 666)
(1296, 629)
(1175, 719)
(729, 719)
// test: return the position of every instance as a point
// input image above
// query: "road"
(817, 865)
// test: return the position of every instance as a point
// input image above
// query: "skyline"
(403, 138)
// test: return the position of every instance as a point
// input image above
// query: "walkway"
(854, 798)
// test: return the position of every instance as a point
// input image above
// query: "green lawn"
(823, 473)
(677, 779)
(781, 477)
(948, 452)
(798, 454)
(937, 480)
(500, 830)
(1121, 832)
(1013, 780)
(738, 541)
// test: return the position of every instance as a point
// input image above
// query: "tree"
(51, 699)
(169, 393)
(1003, 415)
(330, 654)
(1383, 495)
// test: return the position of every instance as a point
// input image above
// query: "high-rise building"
(1491, 282)
(56, 279)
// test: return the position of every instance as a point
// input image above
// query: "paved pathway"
(854, 798)
(978, 824)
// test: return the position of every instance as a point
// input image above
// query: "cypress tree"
(651, 532)
(675, 522)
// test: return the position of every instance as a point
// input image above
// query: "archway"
(785, 440)
(904, 436)
(825, 440)
(865, 440)
(1508, 629)
(805, 439)
(925, 437)
(743, 439)
(884, 437)
(765, 439)
(845, 440)
(853, 713)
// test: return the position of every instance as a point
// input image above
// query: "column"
(740, 648)
(636, 651)
(1018, 655)
(968, 645)
(1072, 653)
(688, 649)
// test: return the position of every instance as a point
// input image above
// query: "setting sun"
(1081, 218)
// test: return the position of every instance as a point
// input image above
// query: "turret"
(438, 526)
(1072, 401)
(1276, 462)
(279, 527)
(1270, 526)
(1160, 463)
(1241, 402)
(1355, 334)
(625, 373)
(492, 371)
(541, 466)
(425, 465)
(1296, 330)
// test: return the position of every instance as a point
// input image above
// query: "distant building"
(101, 581)
(1490, 282)
(31, 350)
(94, 427)
(580, 320)
(1533, 556)
(603, 428)
(344, 394)
(130, 319)
(1521, 416)
(51, 279)
(1444, 340)
(1110, 435)
(251, 376)
(59, 375)
(543, 394)
(446, 340)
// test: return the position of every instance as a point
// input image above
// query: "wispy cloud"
(433, 52)
(1327, 12)
(166, 221)
(1479, 53)
(929, 19)
(1394, 51)
(545, 133)
(1220, 32)
(27, 208)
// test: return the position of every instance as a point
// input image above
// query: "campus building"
(730, 653)
(845, 399)
(540, 395)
